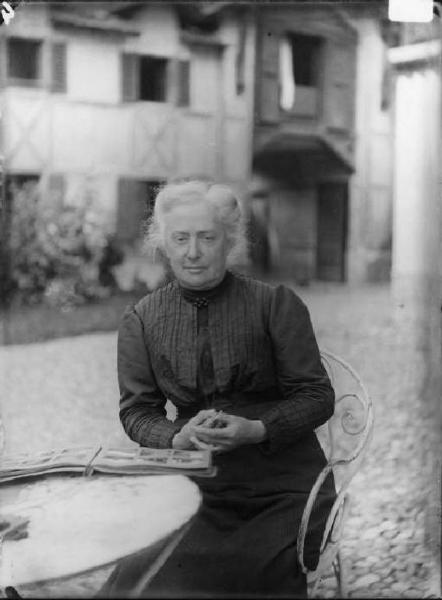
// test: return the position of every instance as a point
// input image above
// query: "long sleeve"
(142, 404)
(308, 397)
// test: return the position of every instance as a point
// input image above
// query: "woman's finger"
(213, 435)
(202, 416)
(201, 445)
(210, 420)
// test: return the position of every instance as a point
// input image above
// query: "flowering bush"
(56, 251)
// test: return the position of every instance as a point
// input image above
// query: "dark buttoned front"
(261, 345)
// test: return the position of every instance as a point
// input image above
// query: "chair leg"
(342, 577)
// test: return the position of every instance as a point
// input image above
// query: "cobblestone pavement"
(64, 392)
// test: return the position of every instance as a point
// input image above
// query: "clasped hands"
(218, 431)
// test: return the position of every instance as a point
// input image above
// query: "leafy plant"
(57, 250)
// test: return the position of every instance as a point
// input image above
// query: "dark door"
(332, 231)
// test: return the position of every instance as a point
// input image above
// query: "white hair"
(220, 197)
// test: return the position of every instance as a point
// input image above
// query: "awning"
(300, 159)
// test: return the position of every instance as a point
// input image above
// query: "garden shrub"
(57, 251)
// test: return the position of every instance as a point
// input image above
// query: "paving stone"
(399, 587)
(367, 580)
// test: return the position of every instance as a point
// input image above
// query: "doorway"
(332, 229)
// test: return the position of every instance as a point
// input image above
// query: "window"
(155, 79)
(24, 64)
(17, 181)
(305, 53)
(24, 60)
(299, 78)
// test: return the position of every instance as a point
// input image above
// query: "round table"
(78, 524)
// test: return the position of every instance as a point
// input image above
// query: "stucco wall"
(89, 132)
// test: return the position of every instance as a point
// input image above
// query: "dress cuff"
(271, 421)
(157, 434)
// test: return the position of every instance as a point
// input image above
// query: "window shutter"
(3, 62)
(130, 83)
(56, 187)
(58, 60)
(269, 80)
(132, 210)
(240, 56)
(172, 83)
(183, 69)
(339, 92)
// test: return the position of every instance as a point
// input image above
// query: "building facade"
(322, 143)
(113, 101)
(286, 103)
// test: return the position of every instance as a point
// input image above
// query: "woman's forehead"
(195, 215)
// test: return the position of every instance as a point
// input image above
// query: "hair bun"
(225, 201)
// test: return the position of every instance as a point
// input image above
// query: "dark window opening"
(305, 59)
(153, 79)
(151, 187)
(24, 59)
(17, 181)
(198, 18)
(136, 200)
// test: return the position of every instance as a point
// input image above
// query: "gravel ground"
(64, 392)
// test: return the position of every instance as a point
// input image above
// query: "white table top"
(77, 524)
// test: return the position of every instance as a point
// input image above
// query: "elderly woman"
(239, 360)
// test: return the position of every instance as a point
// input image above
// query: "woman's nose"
(193, 249)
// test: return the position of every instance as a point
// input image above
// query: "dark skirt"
(242, 542)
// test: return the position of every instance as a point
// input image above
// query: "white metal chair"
(344, 439)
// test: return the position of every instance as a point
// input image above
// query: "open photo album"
(88, 460)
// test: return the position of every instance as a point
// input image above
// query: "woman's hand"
(185, 438)
(227, 432)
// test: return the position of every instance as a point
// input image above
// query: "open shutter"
(183, 73)
(130, 81)
(58, 61)
(56, 187)
(132, 210)
(172, 89)
(240, 57)
(339, 92)
(269, 80)
(3, 61)
(178, 82)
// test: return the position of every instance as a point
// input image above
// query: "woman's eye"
(209, 238)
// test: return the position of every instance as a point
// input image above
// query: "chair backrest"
(345, 439)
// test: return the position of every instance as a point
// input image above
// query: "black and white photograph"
(220, 299)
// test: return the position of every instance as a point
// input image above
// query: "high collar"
(202, 298)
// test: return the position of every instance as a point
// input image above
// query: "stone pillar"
(416, 264)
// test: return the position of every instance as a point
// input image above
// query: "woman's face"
(195, 244)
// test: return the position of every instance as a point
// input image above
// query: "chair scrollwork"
(344, 439)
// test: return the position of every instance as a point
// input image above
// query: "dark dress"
(255, 355)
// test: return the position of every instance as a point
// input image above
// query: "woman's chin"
(198, 279)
